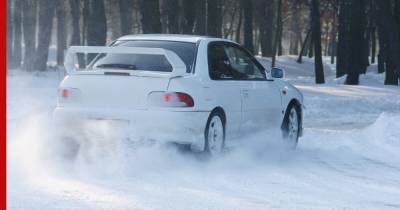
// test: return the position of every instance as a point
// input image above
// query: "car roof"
(170, 37)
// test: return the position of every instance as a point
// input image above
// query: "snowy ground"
(348, 158)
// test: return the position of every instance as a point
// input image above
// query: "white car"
(192, 90)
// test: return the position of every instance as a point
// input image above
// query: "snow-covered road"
(348, 158)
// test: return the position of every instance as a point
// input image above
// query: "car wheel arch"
(221, 111)
(293, 102)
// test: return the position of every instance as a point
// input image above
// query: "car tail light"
(66, 93)
(170, 99)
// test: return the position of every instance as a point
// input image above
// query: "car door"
(261, 99)
(224, 88)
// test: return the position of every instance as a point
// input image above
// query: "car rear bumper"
(186, 127)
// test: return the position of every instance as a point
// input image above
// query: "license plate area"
(106, 128)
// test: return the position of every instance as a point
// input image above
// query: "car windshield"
(185, 50)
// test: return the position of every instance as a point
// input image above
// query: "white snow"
(348, 158)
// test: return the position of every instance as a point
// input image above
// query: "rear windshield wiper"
(116, 66)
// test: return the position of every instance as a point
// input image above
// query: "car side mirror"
(277, 73)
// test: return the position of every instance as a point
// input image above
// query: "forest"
(353, 33)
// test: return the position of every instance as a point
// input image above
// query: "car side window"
(242, 64)
(218, 62)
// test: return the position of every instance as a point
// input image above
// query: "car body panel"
(247, 105)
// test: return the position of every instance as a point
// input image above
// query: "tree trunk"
(214, 18)
(96, 26)
(228, 30)
(113, 14)
(150, 10)
(357, 42)
(333, 43)
(296, 31)
(61, 32)
(126, 16)
(277, 33)
(256, 41)
(46, 16)
(201, 16)
(381, 53)
(85, 19)
(342, 58)
(368, 31)
(279, 26)
(239, 26)
(316, 34)
(373, 30)
(326, 38)
(76, 16)
(172, 6)
(248, 25)
(311, 45)
(9, 41)
(189, 16)
(260, 17)
(266, 14)
(397, 15)
(29, 31)
(280, 37)
(17, 41)
(76, 29)
(303, 47)
(373, 45)
(391, 39)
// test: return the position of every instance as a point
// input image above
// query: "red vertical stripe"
(3, 74)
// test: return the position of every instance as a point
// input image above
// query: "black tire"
(68, 148)
(210, 147)
(291, 132)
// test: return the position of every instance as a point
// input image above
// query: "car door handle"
(245, 93)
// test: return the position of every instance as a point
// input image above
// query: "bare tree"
(172, 16)
(46, 16)
(356, 42)
(277, 33)
(239, 26)
(17, 41)
(214, 18)
(296, 30)
(9, 34)
(61, 31)
(126, 16)
(96, 25)
(391, 40)
(303, 46)
(29, 8)
(333, 40)
(373, 30)
(150, 10)
(316, 35)
(248, 25)
(200, 27)
(76, 16)
(342, 60)
(189, 16)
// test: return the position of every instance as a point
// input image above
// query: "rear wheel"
(291, 126)
(68, 147)
(214, 134)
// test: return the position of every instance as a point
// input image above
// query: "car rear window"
(185, 50)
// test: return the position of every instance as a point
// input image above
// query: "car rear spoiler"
(72, 66)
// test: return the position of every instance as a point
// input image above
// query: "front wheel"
(214, 134)
(291, 127)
